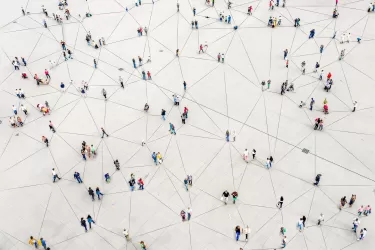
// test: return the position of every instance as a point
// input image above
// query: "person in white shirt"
(17, 93)
(356, 223)
(24, 109)
(321, 219)
(22, 94)
(189, 212)
(362, 234)
(355, 104)
(246, 231)
(126, 234)
(246, 155)
(54, 174)
(14, 109)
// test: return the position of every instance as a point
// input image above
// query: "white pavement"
(219, 96)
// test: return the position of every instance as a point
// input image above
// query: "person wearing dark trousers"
(104, 133)
(317, 180)
(280, 203)
(91, 193)
(90, 220)
(83, 224)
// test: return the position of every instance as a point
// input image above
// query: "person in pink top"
(367, 210)
(360, 210)
(47, 73)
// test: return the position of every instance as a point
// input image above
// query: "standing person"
(352, 200)
(343, 201)
(222, 58)
(362, 234)
(131, 184)
(237, 230)
(163, 114)
(234, 196)
(246, 231)
(227, 135)
(183, 118)
(54, 175)
(218, 57)
(225, 196)
(190, 179)
(234, 135)
(317, 179)
(321, 219)
(83, 224)
(189, 212)
(149, 75)
(90, 220)
(312, 103)
(95, 64)
(246, 155)
(91, 193)
(121, 81)
(355, 104)
(98, 193)
(51, 127)
(184, 83)
(280, 203)
(154, 158)
(104, 133)
(254, 153)
(356, 223)
(134, 65)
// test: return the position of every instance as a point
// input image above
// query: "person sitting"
(146, 108)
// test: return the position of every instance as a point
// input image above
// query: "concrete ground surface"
(219, 96)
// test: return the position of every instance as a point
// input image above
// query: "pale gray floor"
(219, 97)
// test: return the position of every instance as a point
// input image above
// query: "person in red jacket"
(140, 183)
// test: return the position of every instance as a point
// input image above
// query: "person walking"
(103, 132)
(245, 155)
(237, 230)
(47, 74)
(51, 127)
(300, 224)
(45, 140)
(225, 196)
(312, 33)
(117, 164)
(149, 75)
(32, 241)
(285, 53)
(254, 153)
(154, 158)
(95, 64)
(367, 210)
(356, 223)
(362, 234)
(184, 83)
(280, 203)
(321, 219)
(104, 92)
(126, 234)
(132, 184)
(183, 215)
(77, 176)
(283, 243)
(234, 196)
(55, 175)
(43, 243)
(143, 245)
(321, 49)
(163, 112)
(234, 135)
(352, 200)
(246, 231)
(91, 193)
(98, 193)
(355, 104)
(227, 135)
(140, 184)
(189, 212)
(90, 220)
(360, 210)
(134, 65)
(317, 179)
(190, 179)
(343, 201)
(83, 224)
(121, 81)
(186, 184)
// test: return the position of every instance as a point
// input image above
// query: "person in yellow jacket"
(32, 241)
